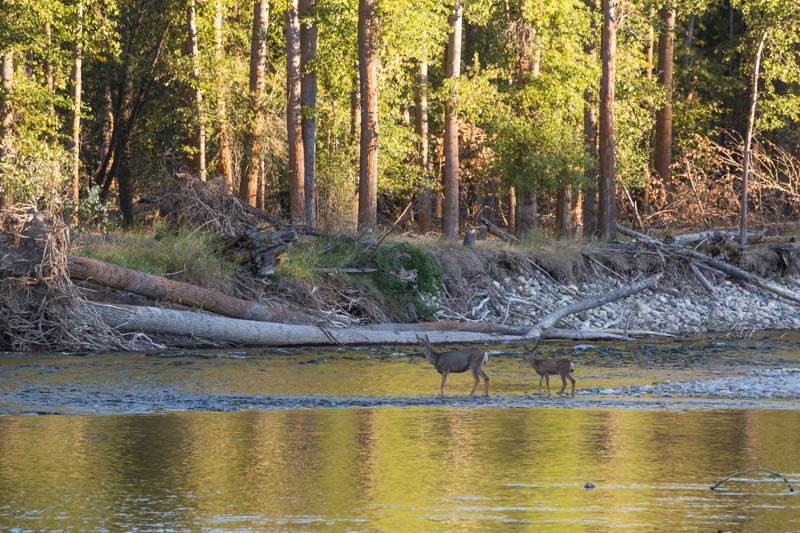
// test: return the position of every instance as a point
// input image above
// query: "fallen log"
(118, 277)
(249, 332)
(576, 307)
(727, 268)
(498, 231)
(156, 320)
(715, 234)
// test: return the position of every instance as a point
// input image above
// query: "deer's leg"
(547, 380)
(444, 378)
(563, 384)
(475, 371)
(573, 383)
(485, 379)
(541, 377)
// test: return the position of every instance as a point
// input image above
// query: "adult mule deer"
(551, 367)
(457, 361)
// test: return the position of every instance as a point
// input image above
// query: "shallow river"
(357, 440)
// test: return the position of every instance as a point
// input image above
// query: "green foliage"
(189, 255)
(34, 171)
(404, 272)
(94, 214)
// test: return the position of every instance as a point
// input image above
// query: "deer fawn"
(551, 367)
(457, 361)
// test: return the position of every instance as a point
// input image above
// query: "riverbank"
(340, 289)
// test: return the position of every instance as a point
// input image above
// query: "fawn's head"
(529, 354)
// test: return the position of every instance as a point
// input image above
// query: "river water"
(358, 440)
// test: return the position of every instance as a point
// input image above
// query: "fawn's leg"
(563, 385)
(573, 383)
(444, 378)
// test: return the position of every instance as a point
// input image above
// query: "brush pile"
(40, 307)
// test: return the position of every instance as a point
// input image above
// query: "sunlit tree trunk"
(248, 190)
(226, 161)
(606, 219)
(77, 57)
(191, 19)
(749, 136)
(355, 127)
(48, 68)
(293, 115)
(368, 161)
(451, 168)
(6, 114)
(308, 52)
(424, 206)
(666, 47)
(590, 141)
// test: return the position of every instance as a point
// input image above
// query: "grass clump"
(189, 255)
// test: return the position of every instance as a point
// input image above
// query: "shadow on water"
(357, 440)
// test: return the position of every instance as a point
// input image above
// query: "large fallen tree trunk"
(727, 268)
(117, 277)
(155, 320)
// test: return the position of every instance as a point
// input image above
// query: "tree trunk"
(606, 223)
(226, 160)
(294, 123)
(109, 275)
(687, 43)
(6, 115)
(191, 19)
(749, 137)
(648, 73)
(590, 174)
(666, 46)
(564, 223)
(77, 70)
(105, 135)
(6, 105)
(424, 207)
(368, 160)
(451, 167)
(48, 68)
(355, 105)
(355, 129)
(248, 190)
(525, 211)
(308, 97)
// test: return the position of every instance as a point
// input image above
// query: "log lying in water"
(117, 277)
(129, 318)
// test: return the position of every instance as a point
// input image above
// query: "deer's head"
(425, 344)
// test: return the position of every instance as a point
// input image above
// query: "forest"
(557, 116)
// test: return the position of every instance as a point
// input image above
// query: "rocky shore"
(674, 307)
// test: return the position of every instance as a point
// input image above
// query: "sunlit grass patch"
(189, 255)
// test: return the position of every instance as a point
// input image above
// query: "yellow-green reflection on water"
(395, 469)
